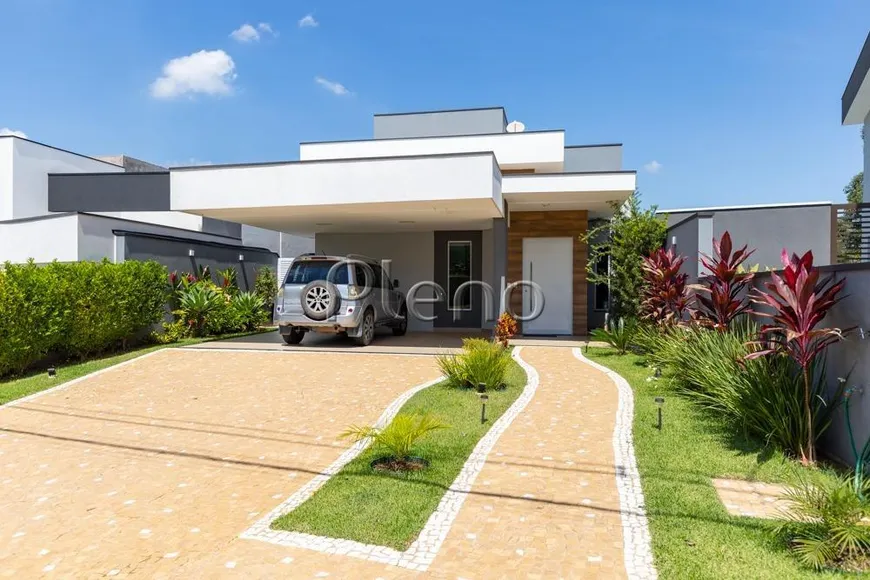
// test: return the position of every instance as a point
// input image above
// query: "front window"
(310, 270)
(458, 272)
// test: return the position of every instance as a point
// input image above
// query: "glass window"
(602, 290)
(458, 272)
(310, 270)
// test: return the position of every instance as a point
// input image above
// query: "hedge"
(75, 309)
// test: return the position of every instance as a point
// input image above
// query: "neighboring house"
(448, 196)
(768, 229)
(60, 205)
(856, 101)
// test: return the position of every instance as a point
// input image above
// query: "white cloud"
(7, 131)
(308, 21)
(245, 33)
(267, 28)
(210, 72)
(653, 166)
(332, 86)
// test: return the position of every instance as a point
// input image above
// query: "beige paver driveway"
(154, 469)
(161, 461)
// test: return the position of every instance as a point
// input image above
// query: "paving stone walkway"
(154, 469)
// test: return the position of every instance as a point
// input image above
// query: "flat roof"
(853, 87)
(61, 150)
(739, 207)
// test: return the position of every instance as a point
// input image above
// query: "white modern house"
(60, 205)
(856, 100)
(448, 197)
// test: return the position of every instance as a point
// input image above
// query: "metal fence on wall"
(850, 230)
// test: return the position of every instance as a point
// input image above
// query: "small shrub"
(228, 279)
(506, 328)
(617, 333)
(827, 525)
(721, 296)
(400, 436)
(665, 297)
(199, 305)
(248, 309)
(172, 332)
(799, 299)
(266, 287)
(480, 362)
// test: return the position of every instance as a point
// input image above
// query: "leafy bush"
(229, 282)
(633, 232)
(75, 309)
(827, 525)
(506, 328)
(248, 310)
(400, 436)
(617, 333)
(665, 297)
(200, 305)
(799, 300)
(266, 287)
(721, 296)
(480, 362)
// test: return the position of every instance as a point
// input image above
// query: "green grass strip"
(692, 534)
(37, 381)
(390, 510)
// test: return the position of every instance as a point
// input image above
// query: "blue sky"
(735, 101)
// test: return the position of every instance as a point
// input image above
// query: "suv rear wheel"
(295, 336)
(367, 333)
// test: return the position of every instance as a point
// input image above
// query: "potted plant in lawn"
(398, 439)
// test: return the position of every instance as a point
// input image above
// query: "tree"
(849, 223)
(632, 234)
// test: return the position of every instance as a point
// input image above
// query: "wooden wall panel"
(550, 224)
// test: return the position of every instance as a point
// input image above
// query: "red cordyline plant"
(799, 299)
(665, 299)
(721, 296)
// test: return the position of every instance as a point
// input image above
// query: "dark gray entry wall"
(471, 317)
(174, 255)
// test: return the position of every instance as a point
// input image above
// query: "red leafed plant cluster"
(721, 295)
(797, 301)
(506, 328)
(665, 296)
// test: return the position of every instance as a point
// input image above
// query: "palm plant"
(721, 295)
(617, 333)
(196, 303)
(400, 436)
(665, 299)
(826, 524)
(799, 300)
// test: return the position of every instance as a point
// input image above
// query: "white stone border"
(422, 552)
(72, 382)
(635, 528)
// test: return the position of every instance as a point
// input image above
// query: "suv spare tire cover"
(320, 300)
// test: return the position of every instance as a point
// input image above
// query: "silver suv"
(340, 295)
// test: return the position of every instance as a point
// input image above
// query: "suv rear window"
(311, 270)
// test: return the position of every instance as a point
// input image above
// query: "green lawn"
(390, 510)
(692, 534)
(11, 389)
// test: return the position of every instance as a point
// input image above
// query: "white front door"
(548, 263)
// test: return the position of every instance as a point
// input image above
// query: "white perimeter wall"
(173, 219)
(412, 255)
(43, 240)
(31, 164)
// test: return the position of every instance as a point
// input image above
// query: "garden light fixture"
(660, 401)
(483, 399)
(52, 372)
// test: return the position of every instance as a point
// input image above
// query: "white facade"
(24, 168)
